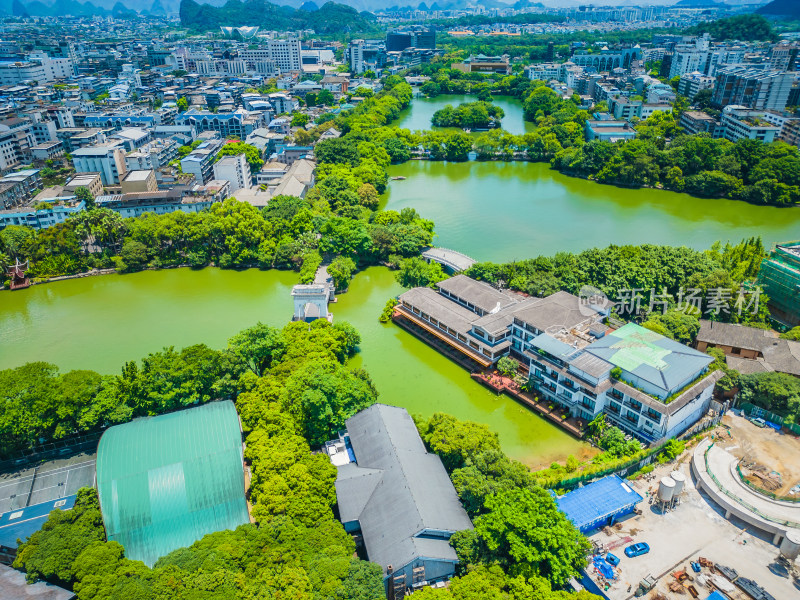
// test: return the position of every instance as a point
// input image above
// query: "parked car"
(637, 549)
(759, 422)
(612, 559)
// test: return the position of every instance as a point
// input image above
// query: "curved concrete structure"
(715, 470)
(455, 261)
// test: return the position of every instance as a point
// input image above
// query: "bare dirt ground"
(776, 451)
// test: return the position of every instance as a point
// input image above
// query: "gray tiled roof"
(478, 293)
(413, 492)
(556, 310)
(729, 334)
(440, 308)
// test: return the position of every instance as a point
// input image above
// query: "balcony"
(617, 395)
(613, 408)
(632, 418)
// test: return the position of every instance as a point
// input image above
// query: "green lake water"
(490, 211)
(100, 322)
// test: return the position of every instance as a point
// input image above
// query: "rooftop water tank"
(790, 546)
(666, 489)
(680, 480)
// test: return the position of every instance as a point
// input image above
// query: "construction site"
(705, 540)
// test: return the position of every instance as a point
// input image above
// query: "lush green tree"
(775, 392)
(524, 530)
(251, 154)
(183, 104)
(50, 553)
(792, 334)
(257, 347)
(326, 97)
(83, 193)
(341, 269)
(507, 366)
(299, 120)
(455, 441)
(416, 272)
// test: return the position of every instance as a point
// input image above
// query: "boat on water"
(398, 178)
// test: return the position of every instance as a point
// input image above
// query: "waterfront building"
(647, 385)
(184, 198)
(46, 213)
(609, 131)
(606, 59)
(739, 122)
(484, 64)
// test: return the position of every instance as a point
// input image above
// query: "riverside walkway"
(450, 259)
(715, 470)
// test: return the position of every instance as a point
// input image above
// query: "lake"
(490, 211)
(100, 322)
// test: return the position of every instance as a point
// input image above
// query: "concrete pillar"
(777, 538)
(727, 514)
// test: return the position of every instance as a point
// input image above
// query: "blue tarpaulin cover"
(592, 505)
(606, 570)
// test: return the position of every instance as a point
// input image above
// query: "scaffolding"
(779, 276)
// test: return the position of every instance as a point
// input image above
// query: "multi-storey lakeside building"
(647, 385)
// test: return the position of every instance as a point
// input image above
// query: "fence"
(762, 491)
(756, 411)
(51, 450)
(623, 470)
(741, 502)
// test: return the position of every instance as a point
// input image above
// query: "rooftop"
(592, 504)
(397, 490)
(138, 175)
(650, 357)
(166, 481)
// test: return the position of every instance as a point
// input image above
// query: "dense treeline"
(775, 392)
(518, 526)
(746, 28)
(670, 269)
(338, 217)
(292, 389)
(469, 115)
(661, 155)
(39, 403)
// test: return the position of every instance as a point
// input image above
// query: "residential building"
(107, 158)
(234, 169)
(153, 155)
(753, 88)
(199, 162)
(695, 121)
(398, 497)
(609, 131)
(286, 53)
(365, 55)
(687, 60)
(56, 210)
(74, 138)
(139, 181)
(90, 181)
(48, 150)
(790, 133)
(282, 103)
(779, 276)
(749, 349)
(184, 198)
(13, 73)
(660, 93)
(484, 64)
(660, 387)
(239, 123)
(739, 122)
(692, 83)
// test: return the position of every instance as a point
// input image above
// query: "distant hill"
(330, 18)
(787, 8)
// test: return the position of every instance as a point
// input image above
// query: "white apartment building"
(740, 122)
(283, 53)
(108, 159)
(234, 169)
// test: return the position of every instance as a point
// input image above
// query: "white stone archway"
(310, 302)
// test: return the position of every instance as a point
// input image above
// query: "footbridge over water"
(449, 259)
